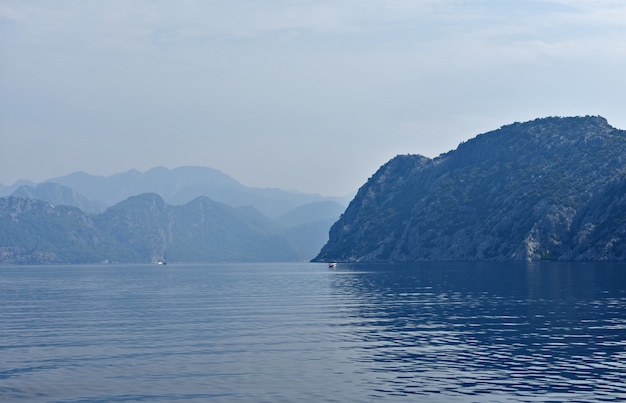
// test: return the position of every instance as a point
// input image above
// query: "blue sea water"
(301, 332)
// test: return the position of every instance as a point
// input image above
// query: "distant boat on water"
(162, 261)
(332, 265)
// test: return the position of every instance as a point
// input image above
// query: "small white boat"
(162, 261)
(332, 265)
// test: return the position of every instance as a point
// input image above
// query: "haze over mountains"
(552, 188)
(548, 189)
(177, 186)
(190, 213)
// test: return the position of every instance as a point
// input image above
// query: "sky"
(307, 95)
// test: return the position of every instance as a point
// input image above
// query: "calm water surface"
(442, 332)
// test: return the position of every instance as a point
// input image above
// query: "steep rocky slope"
(551, 188)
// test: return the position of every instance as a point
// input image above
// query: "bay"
(433, 332)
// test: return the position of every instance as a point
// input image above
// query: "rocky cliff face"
(552, 188)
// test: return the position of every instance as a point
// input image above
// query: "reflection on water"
(506, 332)
(440, 332)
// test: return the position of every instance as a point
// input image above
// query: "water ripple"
(301, 332)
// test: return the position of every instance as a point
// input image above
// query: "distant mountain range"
(94, 193)
(60, 195)
(191, 213)
(144, 229)
(548, 189)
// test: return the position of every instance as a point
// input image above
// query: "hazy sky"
(311, 95)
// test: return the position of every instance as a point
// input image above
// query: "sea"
(304, 332)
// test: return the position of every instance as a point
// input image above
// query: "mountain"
(8, 190)
(552, 188)
(306, 227)
(182, 185)
(34, 232)
(200, 231)
(58, 195)
(306, 213)
(139, 229)
(142, 230)
(302, 219)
